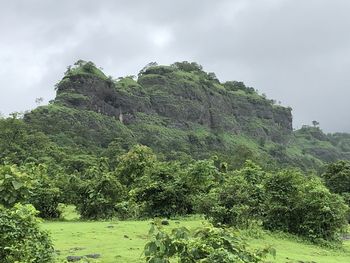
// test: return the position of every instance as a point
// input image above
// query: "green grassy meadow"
(123, 241)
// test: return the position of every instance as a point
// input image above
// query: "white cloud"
(161, 37)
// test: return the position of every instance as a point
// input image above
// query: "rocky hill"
(180, 111)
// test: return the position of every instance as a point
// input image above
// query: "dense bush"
(238, 200)
(21, 239)
(133, 164)
(46, 194)
(323, 214)
(201, 176)
(206, 244)
(161, 191)
(29, 184)
(287, 200)
(304, 206)
(227, 204)
(99, 192)
(337, 177)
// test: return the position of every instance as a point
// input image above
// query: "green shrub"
(238, 200)
(21, 239)
(323, 214)
(304, 206)
(99, 192)
(201, 176)
(162, 192)
(337, 178)
(227, 204)
(133, 164)
(207, 244)
(127, 210)
(283, 196)
(45, 195)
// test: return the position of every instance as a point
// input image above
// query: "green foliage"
(21, 238)
(323, 214)
(337, 177)
(133, 164)
(201, 176)
(71, 98)
(303, 206)
(207, 244)
(78, 130)
(20, 143)
(227, 204)
(161, 191)
(46, 195)
(188, 66)
(99, 191)
(82, 67)
(238, 200)
(15, 185)
(238, 85)
(285, 200)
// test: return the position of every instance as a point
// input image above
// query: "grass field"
(123, 242)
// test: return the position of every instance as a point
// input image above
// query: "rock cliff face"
(181, 99)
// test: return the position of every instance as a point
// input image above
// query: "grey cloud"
(295, 51)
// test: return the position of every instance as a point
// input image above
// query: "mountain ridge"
(181, 109)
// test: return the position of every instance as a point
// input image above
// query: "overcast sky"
(294, 51)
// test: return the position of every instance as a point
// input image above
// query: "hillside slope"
(180, 111)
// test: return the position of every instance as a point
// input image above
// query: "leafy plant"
(21, 238)
(46, 194)
(304, 206)
(207, 244)
(337, 177)
(99, 192)
(132, 165)
(238, 200)
(161, 191)
(15, 185)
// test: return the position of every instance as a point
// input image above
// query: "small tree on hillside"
(315, 123)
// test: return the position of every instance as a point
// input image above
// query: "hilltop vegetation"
(174, 141)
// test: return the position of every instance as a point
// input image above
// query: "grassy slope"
(292, 250)
(124, 241)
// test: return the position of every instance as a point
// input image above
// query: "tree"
(39, 100)
(337, 177)
(201, 175)
(132, 165)
(238, 200)
(46, 194)
(187, 66)
(99, 190)
(19, 142)
(315, 123)
(161, 191)
(145, 68)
